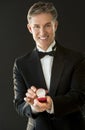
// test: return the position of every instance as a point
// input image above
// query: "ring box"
(42, 99)
(41, 95)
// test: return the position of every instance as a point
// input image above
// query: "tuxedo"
(67, 89)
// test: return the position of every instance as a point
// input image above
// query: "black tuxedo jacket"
(67, 89)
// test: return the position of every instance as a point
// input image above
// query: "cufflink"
(41, 93)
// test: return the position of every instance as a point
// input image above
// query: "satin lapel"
(36, 70)
(57, 70)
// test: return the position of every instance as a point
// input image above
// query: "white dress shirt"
(46, 63)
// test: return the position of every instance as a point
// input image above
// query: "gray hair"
(42, 7)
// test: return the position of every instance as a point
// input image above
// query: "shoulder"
(71, 55)
(24, 58)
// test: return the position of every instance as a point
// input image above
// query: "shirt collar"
(49, 48)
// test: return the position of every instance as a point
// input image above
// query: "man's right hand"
(31, 95)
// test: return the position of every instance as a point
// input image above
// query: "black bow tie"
(50, 53)
(42, 54)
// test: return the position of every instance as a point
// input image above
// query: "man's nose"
(42, 31)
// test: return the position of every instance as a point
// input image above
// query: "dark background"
(15, 40)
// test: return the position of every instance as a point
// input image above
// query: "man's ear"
(29, 28)
(56, 25)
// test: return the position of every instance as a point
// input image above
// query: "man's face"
(43, 27)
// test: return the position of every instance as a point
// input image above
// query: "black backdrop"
(15, 40)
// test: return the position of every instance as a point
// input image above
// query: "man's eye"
(36, 27)
(48, 25)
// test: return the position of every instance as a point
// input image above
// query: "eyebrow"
(45, 24)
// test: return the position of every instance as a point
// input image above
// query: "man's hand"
(40, 107)
(31, 95)
(32, 99)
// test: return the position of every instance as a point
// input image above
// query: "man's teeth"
(43, 38)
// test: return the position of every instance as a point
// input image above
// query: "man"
(61, 74)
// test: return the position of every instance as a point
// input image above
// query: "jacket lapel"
(57, 70)
(36, 72)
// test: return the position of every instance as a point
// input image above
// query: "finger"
(39, 104)
(25, 99)
(29, 101)
(39, 107)
(47, 92)
(34, 88)
(49, 99)
(36, 102)
(31, 93)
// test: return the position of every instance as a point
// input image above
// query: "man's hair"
(42, 7)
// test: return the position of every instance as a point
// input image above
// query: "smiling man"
(49, 82)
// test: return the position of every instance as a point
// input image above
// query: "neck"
(46, 48)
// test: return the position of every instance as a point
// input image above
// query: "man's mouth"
(43, 38)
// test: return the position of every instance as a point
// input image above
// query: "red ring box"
(42, 99)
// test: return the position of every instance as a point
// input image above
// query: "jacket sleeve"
(20, 89)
